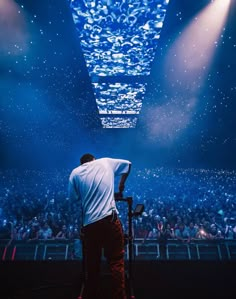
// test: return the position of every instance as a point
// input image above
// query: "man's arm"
(123, 179)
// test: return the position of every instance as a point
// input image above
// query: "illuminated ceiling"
(119, 41)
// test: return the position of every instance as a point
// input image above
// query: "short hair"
(86, 158)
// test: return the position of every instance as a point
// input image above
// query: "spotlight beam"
(193, 51)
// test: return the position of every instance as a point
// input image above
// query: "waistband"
(113, 217)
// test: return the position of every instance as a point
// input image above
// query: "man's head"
(86, 158)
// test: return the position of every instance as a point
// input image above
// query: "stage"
(151, 279)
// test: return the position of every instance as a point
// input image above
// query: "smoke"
(14, 35)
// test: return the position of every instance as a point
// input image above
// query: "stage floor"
(151, 279)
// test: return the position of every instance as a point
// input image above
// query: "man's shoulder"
(102, 160)
(75, 171)
(114, 160)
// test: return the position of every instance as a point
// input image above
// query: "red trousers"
(104, 234)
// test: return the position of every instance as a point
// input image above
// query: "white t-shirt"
(93, 184)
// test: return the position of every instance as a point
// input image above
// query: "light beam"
(185, 69)
(191, 54)
(13, 30)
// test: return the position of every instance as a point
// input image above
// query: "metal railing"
(11, 250)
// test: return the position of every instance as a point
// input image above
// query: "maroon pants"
(104, 234)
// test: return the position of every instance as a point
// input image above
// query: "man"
(93, 183)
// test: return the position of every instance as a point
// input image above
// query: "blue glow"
(119, 98)
(118, 122)
(118, 38)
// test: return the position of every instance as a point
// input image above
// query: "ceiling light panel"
(118, 38)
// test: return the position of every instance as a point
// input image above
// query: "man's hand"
(118, 195)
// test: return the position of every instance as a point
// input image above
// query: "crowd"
(182, 204)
